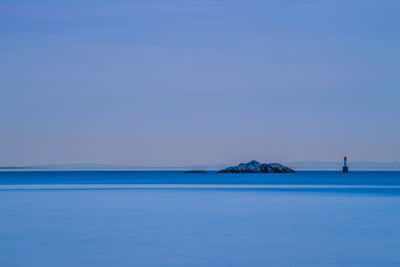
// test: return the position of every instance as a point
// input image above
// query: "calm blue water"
(356, 226)
(178, 177)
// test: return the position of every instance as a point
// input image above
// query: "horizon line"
(300, 164)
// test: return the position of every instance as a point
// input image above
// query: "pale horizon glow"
(176, 83)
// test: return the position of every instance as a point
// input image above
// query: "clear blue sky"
(170, 83)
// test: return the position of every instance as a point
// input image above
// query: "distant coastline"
(355, 165)
(16, 167)
(297, 165)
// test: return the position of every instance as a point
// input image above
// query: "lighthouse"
(345, 167)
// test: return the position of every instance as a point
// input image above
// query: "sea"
(172, 218)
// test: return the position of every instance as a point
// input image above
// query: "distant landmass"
(296, 165)
(89, 166)
(338, 165)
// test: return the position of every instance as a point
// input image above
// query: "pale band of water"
(189, 186)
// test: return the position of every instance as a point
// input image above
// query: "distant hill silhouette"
(296, 165)
(339, 164)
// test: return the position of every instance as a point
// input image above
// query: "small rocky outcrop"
(195, 171)
(256, 167)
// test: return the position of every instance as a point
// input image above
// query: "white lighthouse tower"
(345, 167)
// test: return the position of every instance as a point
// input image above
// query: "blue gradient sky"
(170, 83)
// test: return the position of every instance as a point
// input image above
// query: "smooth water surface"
(179, 177)
(200, 227)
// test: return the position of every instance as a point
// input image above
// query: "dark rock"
(256, 167)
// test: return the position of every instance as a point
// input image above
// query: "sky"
(173, 83)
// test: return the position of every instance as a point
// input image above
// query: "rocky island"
(256, 167)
